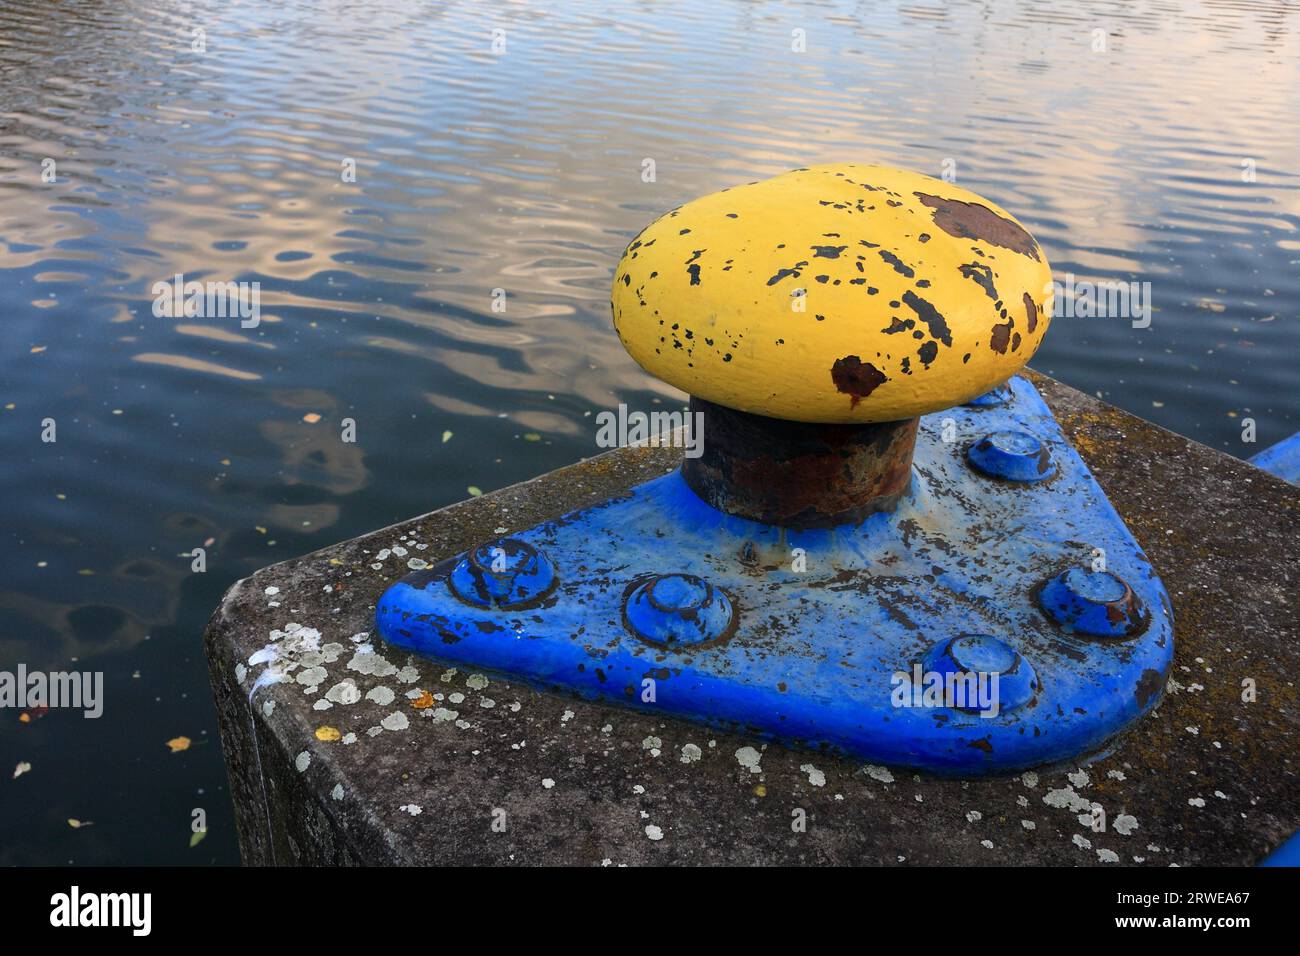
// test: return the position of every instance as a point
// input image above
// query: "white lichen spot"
(271, 590)
(408, 674)
(383, 555)
(1116, 775)
(344, 692)
(476, 682)
(414, 809)
(366, 661)
(987, 844)
(651, 743)
(1078, 778)
(302, 761)
(310, 678)
(1066, 798)
(337, 792)
(750, 759)
(383, 696)
(321, 704)
(268, 708)
(1082, 842)
(691, 753)
(395, 721)
(456, 698)
(516, 707)
(879, 773)
(1107, 856)
(547, 783)
(974, 816)
(1125, 824)
(1022, 800)
(1194, 731)
(567, 716)
(653, 832)
(417, 564)
(374, 731)
(349, 738)
(487, 703)
(240, 672)
(1220, 794)
(1196, 801)
(442, 713)
(1029, 824)
(399, 551)
(1029, 779)
(815, 776)
(447, 675)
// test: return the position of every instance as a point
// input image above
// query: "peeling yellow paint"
(844, 293)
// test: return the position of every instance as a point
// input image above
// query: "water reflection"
(521, 172)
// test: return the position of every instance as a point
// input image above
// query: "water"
(519, 171)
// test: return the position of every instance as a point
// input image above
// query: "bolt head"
(1012, 456)
(993, 397)
(984, 654)
(1098, 603)
(671, 610)
(506, 574)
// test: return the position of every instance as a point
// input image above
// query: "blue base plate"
(832, 628)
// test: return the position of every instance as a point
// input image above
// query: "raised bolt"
(984, 654)
(1012, 456)
(672, 609)
(996, 396)
(1092, 602)
(506, 574)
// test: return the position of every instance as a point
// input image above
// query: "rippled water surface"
(519, 171)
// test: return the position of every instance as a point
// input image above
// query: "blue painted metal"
(1288, 854)
(1013, 455)
(831, 625)
(1093, 602)
(1282, 459)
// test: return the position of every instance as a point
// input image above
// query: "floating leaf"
(473, 491)
(532, 436)
(22, 768)
(78, 824)
(328, 733)
(37, 349)
(311, 418)
(446, 437)
(177, 744)
(197, 837)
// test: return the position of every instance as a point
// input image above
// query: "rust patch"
(1000, 338)
(1031, 312)
(968, 220)
(856, 378)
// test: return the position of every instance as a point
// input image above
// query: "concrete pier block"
(343, 750)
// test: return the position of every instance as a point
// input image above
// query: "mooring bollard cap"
(837, 294)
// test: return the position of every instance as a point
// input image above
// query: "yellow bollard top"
(842, 293)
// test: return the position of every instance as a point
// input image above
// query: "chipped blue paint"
(830, 623)
(1282, 459)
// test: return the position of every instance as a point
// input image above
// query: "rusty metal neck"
(796, 474)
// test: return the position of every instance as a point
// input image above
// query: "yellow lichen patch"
(424, 701)
(846, 293)
(328, 733)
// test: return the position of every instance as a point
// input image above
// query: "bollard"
(344, 748)
(852, 563)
